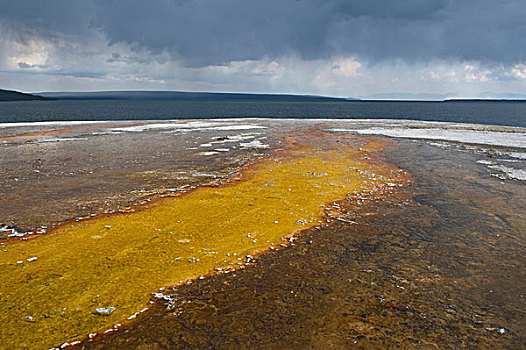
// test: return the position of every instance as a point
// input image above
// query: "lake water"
(495, 113)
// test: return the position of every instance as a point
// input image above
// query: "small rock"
(103, 311)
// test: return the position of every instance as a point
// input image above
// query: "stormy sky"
(349, 48)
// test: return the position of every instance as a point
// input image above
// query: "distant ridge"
(485, 100)
(405, 96)
(182, 96)
(10, 95)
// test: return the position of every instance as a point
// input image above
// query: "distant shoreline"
(11, 95)
(186, 96)
(143, 95)
(234, 96)
(485, 100)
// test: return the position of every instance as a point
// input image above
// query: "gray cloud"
(49, 19)
(212, 32)
(333, 47)
(209, 32)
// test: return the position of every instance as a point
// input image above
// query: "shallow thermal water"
(439, 264)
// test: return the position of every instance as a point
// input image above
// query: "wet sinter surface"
(438, 265)
(442, 266)
(53, 286)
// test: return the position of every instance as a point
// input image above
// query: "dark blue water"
(482, 112)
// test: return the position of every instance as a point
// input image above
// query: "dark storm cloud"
(204, 32)
(46, 18)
